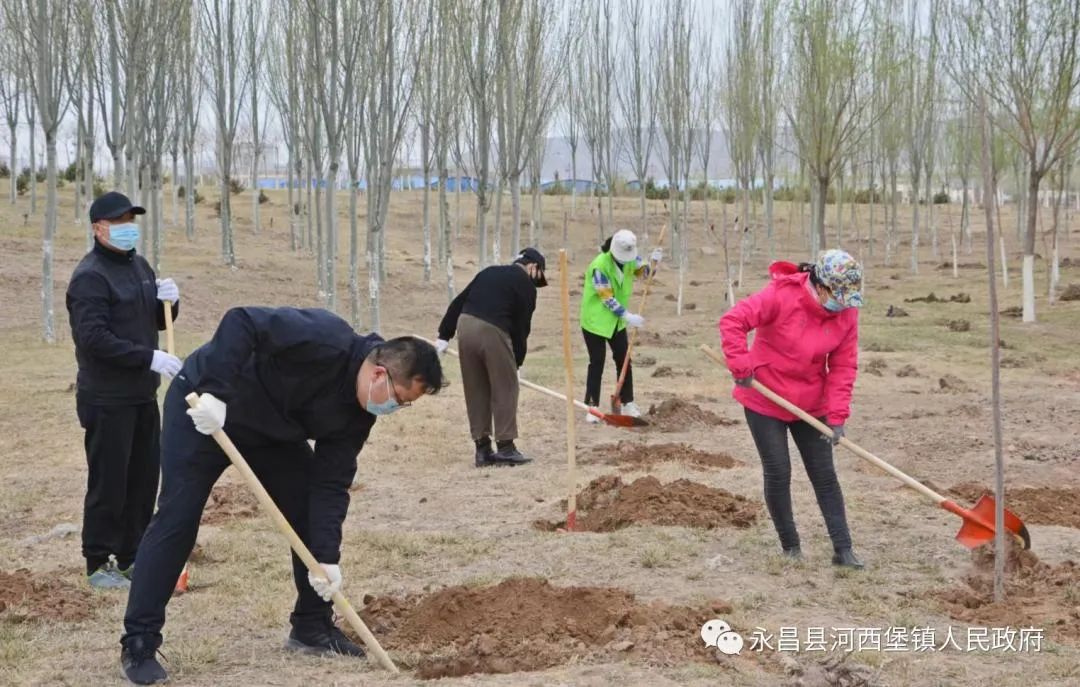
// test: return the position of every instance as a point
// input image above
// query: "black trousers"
(190, 464)
(597, 347)
(122, 459)
(770, 436)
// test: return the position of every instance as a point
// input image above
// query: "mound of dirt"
(908, 371)
(229, 502)
(1015, 311)
(654, 340)
(952, 383)
(631, 455)
(675, 414)
(526, 624)
(25, 596)
(609, 504)
(1036, 594)
(894, 311)
(1034, 505)
(932, 298)
(644, 361)
(1071, 293)
(958, 325)
(875, 367)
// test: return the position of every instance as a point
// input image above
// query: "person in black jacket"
(493, 317)
(116, 306)
(272, 378)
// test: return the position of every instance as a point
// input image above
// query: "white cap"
(624, 246)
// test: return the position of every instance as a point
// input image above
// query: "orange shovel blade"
(978, 527)
(619, 420)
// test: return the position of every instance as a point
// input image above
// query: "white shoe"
(591, 419)
(631, 409)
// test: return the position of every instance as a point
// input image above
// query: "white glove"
(165, 364)
(209, 416)
(657, 256)
(325, 588)
(167, 290)
(441, 345)
(633, 320)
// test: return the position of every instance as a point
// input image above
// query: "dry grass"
(426, 518)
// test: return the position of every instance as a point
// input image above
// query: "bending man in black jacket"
(273, 378)
(116, 308)
(493, 317)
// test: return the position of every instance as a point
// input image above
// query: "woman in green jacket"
(609, 280)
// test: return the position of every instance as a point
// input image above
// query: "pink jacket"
(801, 351)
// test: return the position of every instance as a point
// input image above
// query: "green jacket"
(596, 316)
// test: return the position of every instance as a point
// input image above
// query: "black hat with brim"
(112, 205)
(534, 257)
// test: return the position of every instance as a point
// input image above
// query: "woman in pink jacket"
(806, 324)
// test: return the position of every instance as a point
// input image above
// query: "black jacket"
(288, 375)
(115, 318)
(502, 295)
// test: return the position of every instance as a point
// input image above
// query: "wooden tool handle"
(568, 364)
(641, 308)
(824, 429)
(301, 549)
(170, 340)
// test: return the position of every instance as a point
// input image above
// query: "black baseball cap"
(112, 205)
(533, 256)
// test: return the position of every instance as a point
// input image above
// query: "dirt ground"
(460, 582)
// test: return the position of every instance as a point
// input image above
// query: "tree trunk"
(47, 315)
(515, 212)
(1029, 246)
(189, 192)
(915, 223)
(819, 219)
(155, 213)
(427, 224)
(175, 189)
(965, 217)
(14, 168)
(33, 166)
(840, 210)
(496, 250)
(354, 255)
(331, 235)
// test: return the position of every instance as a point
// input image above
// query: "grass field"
(423, 519)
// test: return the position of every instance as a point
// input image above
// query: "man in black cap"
(492, 317)
(272, 378)
(116, 307)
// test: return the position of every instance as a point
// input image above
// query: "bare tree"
(740, 105)
(529, 53)
(475, 21)
(921, 93)
(12, 87)
(636, 92)
(222, 26)
(336, 48)
(1030, 74)
(674, 33)
(189, 88)
(445, 129)
(596, 85)
(285, 67)
(829, 109)
(769, 73)
(44, 44)
(257, 17)
(391, 43)
(704, 113)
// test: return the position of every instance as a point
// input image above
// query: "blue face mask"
(124, 236)
(388, 406)
(833, 305)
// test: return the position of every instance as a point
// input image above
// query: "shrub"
(5, 171)
(235, 186)
(71, 173)
(263, 198)
(941, 198)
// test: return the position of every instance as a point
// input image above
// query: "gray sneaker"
(108, 577)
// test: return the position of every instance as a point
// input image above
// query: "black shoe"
(328, 639)
(846, 559)
(483, 452)
(508, 455)
(138, 658)
(793, 552)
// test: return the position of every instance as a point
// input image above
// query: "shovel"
(616, 401)
(614, 420)
(978, 527)
(297, 544)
